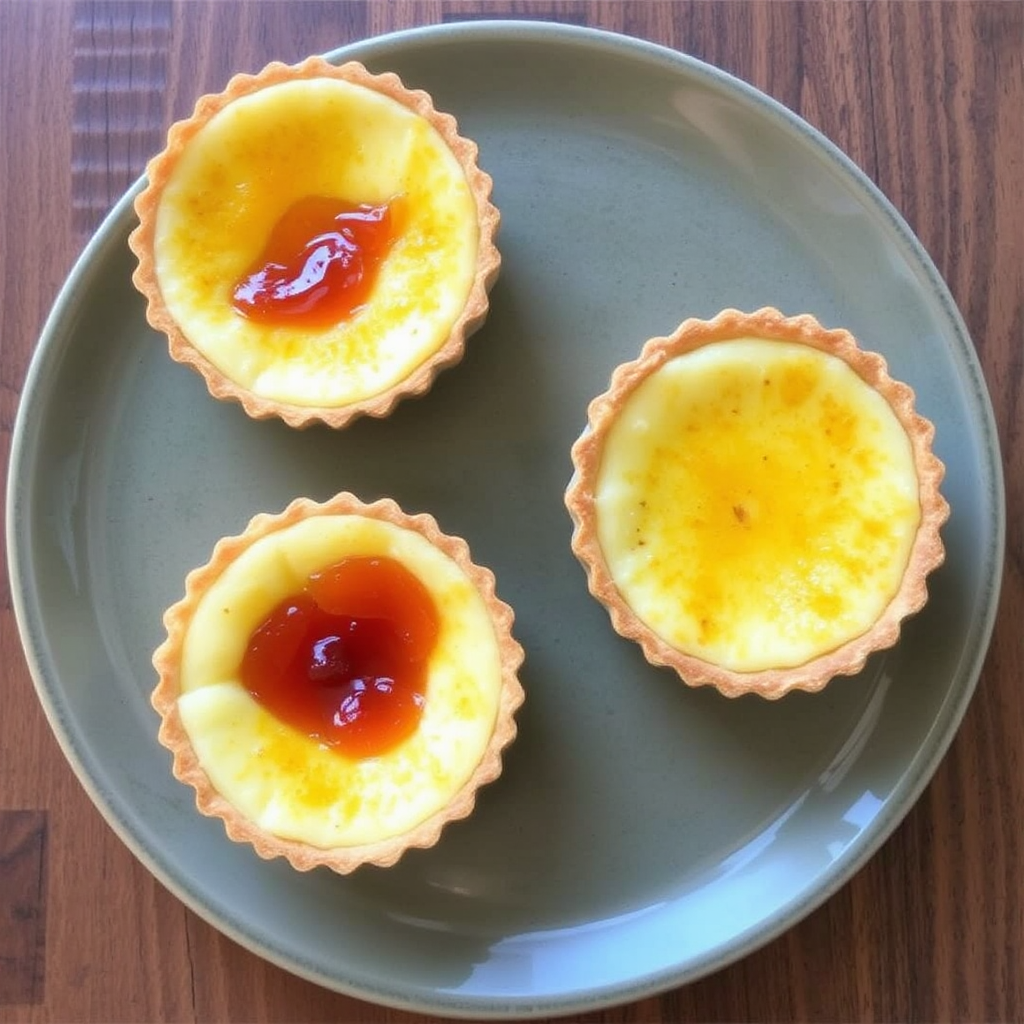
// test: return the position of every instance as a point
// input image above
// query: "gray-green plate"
(643, 834)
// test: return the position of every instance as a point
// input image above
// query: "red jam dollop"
(345, 660)
(320, 262)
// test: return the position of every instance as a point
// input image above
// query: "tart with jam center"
(757, 503)
(338, 682)
(317, 241)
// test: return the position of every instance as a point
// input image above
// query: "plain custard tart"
(338, 682)
(317, 241)
(757, 503)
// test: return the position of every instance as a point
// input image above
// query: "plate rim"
(951, 711)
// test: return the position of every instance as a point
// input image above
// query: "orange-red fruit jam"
(345, 660)
(320, 262)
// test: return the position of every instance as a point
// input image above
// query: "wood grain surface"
(928, 98)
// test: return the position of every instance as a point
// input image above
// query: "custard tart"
(338, 682)
(756, 503)
(317, 241)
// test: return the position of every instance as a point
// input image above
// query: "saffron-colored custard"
(756, 503)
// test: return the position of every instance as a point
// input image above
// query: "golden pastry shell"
(186, 766)
(158, 172)
(927, 552)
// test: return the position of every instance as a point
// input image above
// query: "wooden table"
(928, 98)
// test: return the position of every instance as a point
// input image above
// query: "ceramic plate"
(643, 834)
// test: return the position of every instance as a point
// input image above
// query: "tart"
(338, 682)
(756, 503)
(317, 241)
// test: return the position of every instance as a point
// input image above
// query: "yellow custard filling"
(256, 158)
(291, 785)
(757, 503)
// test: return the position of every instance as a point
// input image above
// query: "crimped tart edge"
(186, 766)
(927, 551)
(220, 385)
